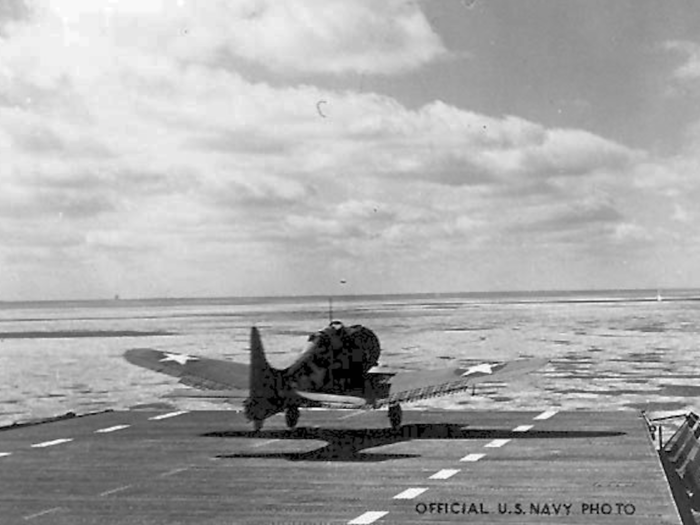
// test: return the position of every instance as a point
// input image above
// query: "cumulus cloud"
(299, 36)
(126, 128)
(574, 215)
(452, 146)
(334, 36)
(690, 69)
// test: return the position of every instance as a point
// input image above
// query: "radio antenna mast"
(330, 304)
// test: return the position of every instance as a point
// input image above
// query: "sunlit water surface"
(606, 350)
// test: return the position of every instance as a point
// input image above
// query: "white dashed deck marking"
(42, 513)
(411, 493)
(368, 517)
(5, 454)
(445, 473)
(496, 443)
(114, 491)
(545, 415)
(168, 415)
(523, 428)
(173, 471)
(111, 429)
(52, 443)
(472, 457)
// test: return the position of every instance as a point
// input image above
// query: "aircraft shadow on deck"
(348, 444)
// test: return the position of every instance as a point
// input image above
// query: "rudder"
(263, 400)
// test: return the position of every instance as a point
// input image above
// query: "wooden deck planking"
(209, 467)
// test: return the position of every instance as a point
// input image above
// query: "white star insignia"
(484, 368)
(178, 358)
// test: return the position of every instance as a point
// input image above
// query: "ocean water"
(607, 350)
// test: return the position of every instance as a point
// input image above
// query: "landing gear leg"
(250, 413)
(395, 416)
(292, 416)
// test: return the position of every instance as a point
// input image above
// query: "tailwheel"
(292, 416)
(395, 416)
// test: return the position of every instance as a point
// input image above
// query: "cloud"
(452, 146)
(298, 36)
(690, 69)
(573, 216)
(334, 36)
(630, 232)
(134, 144)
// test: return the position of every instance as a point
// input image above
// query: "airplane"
(339, 368)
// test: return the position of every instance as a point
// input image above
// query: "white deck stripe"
(444, 473)
(174, 471)
(472, 457)
(411, 493)
(111, 429)
(168, 415)
(47, 511)
(114, 491)
(52, 443)
(496, 443)
(545, 415)
(523, 428)
(5, 454)
(368, 517)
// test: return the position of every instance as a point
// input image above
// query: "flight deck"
(338, 467)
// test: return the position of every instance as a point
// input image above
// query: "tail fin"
(260, 370)
(264, 399)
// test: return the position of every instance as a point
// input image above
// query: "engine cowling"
(336, 359)
(367, 344)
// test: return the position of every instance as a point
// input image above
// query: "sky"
(179, 148)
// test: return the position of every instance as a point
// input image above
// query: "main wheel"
(292, 416)
(395, 416)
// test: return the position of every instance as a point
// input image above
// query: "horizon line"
(116, 299)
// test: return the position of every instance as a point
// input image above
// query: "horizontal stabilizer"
(384, 371)
(334, 399)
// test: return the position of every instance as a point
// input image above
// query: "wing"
(199, 372)
(423, 384)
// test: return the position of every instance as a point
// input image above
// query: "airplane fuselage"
(335, 361)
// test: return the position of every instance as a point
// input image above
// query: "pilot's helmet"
(337, 325)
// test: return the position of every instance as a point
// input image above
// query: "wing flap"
(199, 372)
